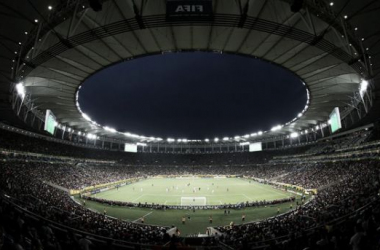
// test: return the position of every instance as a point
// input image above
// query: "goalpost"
(193, 201)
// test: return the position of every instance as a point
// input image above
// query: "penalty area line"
(142, 217)
(247, 197)
(138, 197)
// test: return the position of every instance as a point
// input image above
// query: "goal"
(193, 201)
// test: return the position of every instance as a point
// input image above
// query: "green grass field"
(170, 190)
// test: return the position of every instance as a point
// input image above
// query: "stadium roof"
(331, 46)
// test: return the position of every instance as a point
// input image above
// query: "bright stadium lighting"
(225, 138)
(85, 116)
(246, 136)
(237, 137)
(50, 7)
(299, 115)
(275, 128)
(112, 130)
(179, 140)
(91, 136)
(141, 144)
(184, 140)
(294, 135)
(363, 87)
(216, 139)
(254, 134)
(207, 140)
(170, 140)
(260, 132)
(20, 89)
(243, 143)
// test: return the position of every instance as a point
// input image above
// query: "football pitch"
(192, 191)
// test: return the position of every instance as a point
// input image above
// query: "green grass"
(154, 190)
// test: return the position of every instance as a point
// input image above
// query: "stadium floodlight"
(363, 87)
(170, 140)
(254, 134)
(85, 116)
(159, 139)
(225, 138)
(294, 135)
(260, 133)
(246, 136)
(237, 137)
(20, 89)
(299, 115)
(112, 130)
(184, 140)
(275, 128)
(179, 140)
(207, 140)
(91, 136)
(216, 139)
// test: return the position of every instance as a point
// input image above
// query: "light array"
(20, 89)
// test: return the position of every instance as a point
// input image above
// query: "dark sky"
(192, 95)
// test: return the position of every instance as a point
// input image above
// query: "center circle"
(192, 95)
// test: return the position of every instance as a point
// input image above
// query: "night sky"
(192, 95)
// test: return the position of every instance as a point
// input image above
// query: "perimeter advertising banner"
(182, 10)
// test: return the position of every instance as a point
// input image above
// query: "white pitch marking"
(247, 197)
(143, 216)
(273, 191)
(138, 198)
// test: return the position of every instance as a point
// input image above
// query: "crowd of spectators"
(20, 142)
(318, 175)
(343, 188)
(354, 190)
(77, 176)
(22, 183)
(352, 185)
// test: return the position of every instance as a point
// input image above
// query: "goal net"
(193, 201)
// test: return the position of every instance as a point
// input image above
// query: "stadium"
(70, 180)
